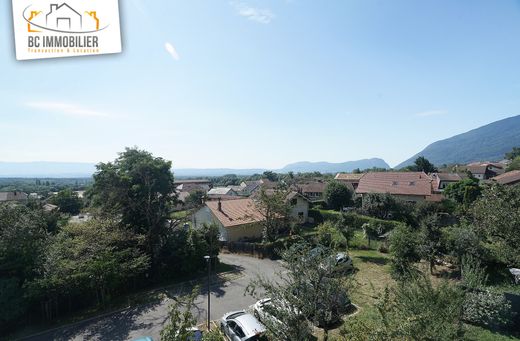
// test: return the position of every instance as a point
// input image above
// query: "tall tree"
(464, 192)
(68, 201)
(422, 164)
(431, 240)
(275, 209)
(138, 188)
(496, 217)
(303, 294)
(337, 195)
(514, 153)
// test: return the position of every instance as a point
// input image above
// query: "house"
(349, 179)
(441, 180)
(63, 17)
(485, 170)
(50, 208)
(241, 218)
(312, 190)
(237, 219)
(408, 186)
(192, 185)
(219, 192)
(509, 178)
(13, 196)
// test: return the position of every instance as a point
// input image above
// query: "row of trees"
(48, 269)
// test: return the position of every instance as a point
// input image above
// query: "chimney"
(219, 205)
(54, 7)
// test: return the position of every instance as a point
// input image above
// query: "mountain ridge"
(489, 142)
(43, 169)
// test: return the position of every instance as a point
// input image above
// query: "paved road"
(226, 295)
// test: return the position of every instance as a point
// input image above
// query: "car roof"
(250, 325)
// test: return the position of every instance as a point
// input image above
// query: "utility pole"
(208, 259)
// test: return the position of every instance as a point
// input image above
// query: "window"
(395, 183)
(294, 201)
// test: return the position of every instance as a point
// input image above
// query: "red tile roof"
(400, 183)
(349, 176)
(236, 212)
(511, 177)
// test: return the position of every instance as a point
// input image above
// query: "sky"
(260, 84)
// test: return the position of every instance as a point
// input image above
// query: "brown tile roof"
(401, 183)
(511, 177)
(448, 176)
(477, 169)
(236, 212)
(349, 176)
(313, 187)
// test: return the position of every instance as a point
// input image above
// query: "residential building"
(241, 218)
(13, 196)
(350, 179)
(192, 185)
(237, 219)
(408, 186)
(441, 180)
(312, 190)
(219, 192)
(485, 170)
(509, 178)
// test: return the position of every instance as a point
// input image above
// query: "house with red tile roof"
(237, 219)
(509, 178)
(349, 179)
(408, 186)
(441, 180)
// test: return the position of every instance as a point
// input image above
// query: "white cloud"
(431, 113)
(260, 15)
(66, 109)
(171, 51)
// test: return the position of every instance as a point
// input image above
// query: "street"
(149, 319)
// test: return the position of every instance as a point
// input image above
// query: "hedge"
(354, 220)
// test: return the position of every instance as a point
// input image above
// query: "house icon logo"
(61, 18)
(66, 28)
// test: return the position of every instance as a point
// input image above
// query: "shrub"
(487, 308)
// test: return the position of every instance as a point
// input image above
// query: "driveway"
(227, 294)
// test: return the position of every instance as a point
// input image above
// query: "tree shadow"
(374, 260)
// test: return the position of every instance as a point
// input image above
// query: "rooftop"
(402, 183)
(349, 176)
(508, 178)
(235, 212)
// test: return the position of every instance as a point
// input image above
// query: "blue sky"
(265, 83)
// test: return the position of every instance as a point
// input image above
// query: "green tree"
(496, 218)
(464, 192)
(330, 235)
(138, 188)
(303, 294)
(337, 195)
(431, 244)
(96, 259)
(68, 201)
(386, 206)
(514, 165)
(513, 154)
(404, 248)
(414, 309)
(195, 198)
(422, 164)
(275, 209)
(271, 176)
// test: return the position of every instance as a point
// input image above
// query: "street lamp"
(208, 259)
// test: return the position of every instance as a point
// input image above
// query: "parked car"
(144, 338)
(339, 263)
(242, 326)
(196, 334)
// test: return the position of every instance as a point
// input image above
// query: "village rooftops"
(352, 177)
(397, 183)
(13, 196)
(221, 191)
(508, 178)
(235, 212)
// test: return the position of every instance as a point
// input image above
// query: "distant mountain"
(487, 143)
(327, 167)
(78, 170)
(46, 169)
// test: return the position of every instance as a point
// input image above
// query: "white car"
(242, 326)
(343, 263)
(261, 313)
